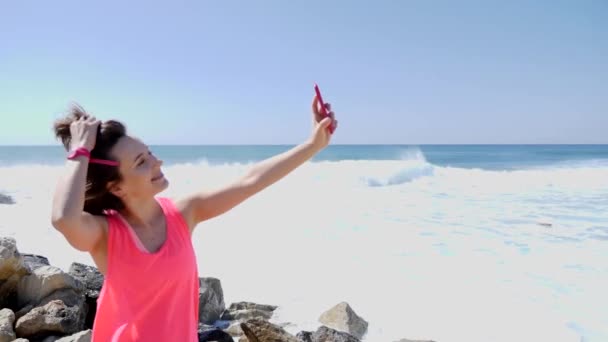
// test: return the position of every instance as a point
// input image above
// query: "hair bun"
(62, 126)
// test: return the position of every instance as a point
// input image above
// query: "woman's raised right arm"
(82, 230)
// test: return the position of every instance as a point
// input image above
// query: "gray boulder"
(251, 305)
(71, 299)
(304, 336)
(83, 336)
(7, 320)
(33, 261)
(12, 269)
(325, 334)
(211, 300)
(89, 276)
(259, 330)
(343, 318)
(23, 311)
(243, 311)
(44, 281)
(54, 318)
(93, 282)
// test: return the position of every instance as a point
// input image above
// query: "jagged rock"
(325, 334)
(93, 282)
(304, 336)
(244, 311)
(343, 318)
(259, 330)
(211, 300)
(8, 291)
(68, 296)
(53, 318)
(44, 281)
(83, 336)
(6, 199)
(23, 311)
(12, 269)
(251, 305)
(71, 299)
(7, 320)
(235, 329)
(244, 315)
(89, 276)
(33, 261)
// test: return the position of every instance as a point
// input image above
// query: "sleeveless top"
(148, 296)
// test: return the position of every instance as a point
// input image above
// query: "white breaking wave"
(418, 250)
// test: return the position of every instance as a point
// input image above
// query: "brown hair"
(97, 196)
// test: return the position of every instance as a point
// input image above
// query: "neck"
(141, 212)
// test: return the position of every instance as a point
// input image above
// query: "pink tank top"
(148, 296)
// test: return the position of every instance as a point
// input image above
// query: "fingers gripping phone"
(323, 108)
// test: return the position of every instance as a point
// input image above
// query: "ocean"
(442, 242)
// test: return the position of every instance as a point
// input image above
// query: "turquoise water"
(491, 157)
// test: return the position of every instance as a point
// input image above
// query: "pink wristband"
(82, 151)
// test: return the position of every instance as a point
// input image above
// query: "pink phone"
(323, 109)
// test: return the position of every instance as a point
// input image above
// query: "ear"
(116, 189)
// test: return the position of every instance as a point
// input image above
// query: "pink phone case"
(323, 109)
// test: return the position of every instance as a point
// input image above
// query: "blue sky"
(241, 72)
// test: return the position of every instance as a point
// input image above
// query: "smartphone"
(323, 109)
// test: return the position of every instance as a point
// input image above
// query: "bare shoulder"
(100, 225)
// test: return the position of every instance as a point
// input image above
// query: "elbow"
(57, 221)
(58, 216)
(251, 184)
(60, 221)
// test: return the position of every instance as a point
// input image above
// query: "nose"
(157, 161)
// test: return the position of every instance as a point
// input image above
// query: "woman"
(105, 204)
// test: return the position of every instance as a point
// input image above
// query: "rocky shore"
(42, 303)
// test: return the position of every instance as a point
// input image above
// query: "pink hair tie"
(82, 151)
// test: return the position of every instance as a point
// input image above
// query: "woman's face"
(139, 168)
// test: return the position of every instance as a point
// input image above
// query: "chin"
(164, 184)
(161, 186)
